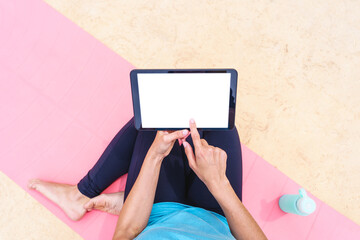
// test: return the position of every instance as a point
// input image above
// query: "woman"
(171, 191)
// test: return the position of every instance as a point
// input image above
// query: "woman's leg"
(198, 195)
(113, 163)
(172, 178)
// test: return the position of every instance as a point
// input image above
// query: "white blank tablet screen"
(169, 100)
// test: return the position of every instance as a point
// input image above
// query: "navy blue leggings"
(177, 182)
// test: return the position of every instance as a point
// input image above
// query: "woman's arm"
(135, 213)
(241, 223)
(209, 164)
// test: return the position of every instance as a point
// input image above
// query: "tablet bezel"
(136, 100)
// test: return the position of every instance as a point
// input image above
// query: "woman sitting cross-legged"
(189, 192)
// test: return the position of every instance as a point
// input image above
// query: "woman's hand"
(209, 163)
(135, 213)
(164, 142)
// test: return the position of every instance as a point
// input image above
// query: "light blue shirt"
(170, 220)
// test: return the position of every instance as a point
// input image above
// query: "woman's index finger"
(195, 134)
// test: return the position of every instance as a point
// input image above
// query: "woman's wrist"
(154, 157)
(216, 188)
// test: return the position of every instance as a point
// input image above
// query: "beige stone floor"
(298, 98)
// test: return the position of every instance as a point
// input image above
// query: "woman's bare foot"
(67, 197)
(110, 203)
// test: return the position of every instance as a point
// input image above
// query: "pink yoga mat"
(64, 95)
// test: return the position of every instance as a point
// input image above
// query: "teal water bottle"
(299, 204)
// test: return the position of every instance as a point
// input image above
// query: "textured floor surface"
(298, 66)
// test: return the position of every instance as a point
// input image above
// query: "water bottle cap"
(305, 204)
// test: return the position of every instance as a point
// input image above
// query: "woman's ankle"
(78, 196)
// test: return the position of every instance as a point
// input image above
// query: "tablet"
(166, 99)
